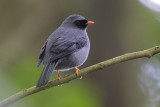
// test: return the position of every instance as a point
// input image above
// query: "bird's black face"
(82, 24)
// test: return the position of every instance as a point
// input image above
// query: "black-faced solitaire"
(66, 48)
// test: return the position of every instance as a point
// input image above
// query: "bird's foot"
(59, 77)
(77, 70)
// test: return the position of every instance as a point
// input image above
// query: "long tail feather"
(46, 74)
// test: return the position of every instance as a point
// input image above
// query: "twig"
(129, 56)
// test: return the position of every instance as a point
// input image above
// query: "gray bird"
(66, 48)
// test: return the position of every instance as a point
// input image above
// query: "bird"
(66, 48)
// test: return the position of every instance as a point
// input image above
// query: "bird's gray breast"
(75, 59)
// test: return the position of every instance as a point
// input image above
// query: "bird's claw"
(77, 70)
(59, 76)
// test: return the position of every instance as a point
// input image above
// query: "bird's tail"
(46, 74)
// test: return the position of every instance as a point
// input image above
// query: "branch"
(129, 56)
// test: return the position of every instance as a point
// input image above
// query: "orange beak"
(90, 22)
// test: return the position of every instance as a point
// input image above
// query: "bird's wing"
(63, 47)
(42, 53)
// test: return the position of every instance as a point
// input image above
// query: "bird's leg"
(59, 77)
(77, 70)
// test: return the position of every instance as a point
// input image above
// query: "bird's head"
(77, 21)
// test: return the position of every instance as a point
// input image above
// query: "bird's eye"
(81, 23)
